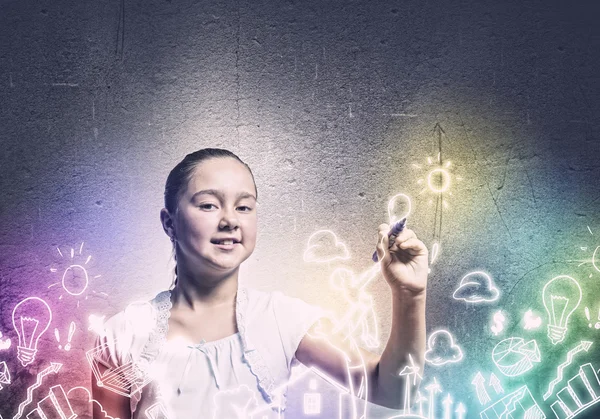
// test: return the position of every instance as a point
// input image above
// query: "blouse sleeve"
(294, 318)
(113, 348)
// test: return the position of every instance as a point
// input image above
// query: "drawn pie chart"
(514, 356)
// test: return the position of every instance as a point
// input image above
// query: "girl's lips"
(225, 246)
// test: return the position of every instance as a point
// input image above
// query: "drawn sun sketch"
(73, 274)
(594, 260)
(438, 178)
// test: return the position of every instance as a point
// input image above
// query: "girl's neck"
(196, 292)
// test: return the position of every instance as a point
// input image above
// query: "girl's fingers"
(413, 246)
(405, 235)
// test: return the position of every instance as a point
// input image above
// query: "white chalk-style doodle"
(531, 320)
(323, 246)
(514, 356)
(498, 322)
(587, 316)
(74, 278)
(419, 400)
(54, 405)
(302, 379)
(73, 394)
(447, 403)
(312, 400)
(477, 287)
(4, 343)
(482, 394)
(31, 318)
(52, 369)
(435, 252)
(354, 369)
(409, 371)
(519, 404)
(432, 388)
(69, 336)
(441, 349)
(4, 374)
(495, 384)
(234, 403)
(360, 313)
(561, 296)
(157, 411)
(124, 380)
(583, 346)
(461, 411)
(581, 392)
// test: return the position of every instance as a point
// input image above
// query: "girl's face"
(219, 203)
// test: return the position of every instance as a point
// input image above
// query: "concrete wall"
(334, 105)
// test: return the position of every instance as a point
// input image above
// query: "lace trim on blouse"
(158, 337)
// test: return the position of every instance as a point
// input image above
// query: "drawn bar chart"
(581, 392)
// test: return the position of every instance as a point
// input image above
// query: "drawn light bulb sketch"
(31, 318)
(561, 296)
(399, 207)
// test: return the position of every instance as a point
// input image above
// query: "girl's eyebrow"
(218, 194)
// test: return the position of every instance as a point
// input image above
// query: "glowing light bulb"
(561, 296)
(398, 208)
(31, 318)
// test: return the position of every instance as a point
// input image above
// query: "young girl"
(212, 343)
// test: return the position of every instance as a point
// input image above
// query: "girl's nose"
(230, 220)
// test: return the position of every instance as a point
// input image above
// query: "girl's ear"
(167, 223)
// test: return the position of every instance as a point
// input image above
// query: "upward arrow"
(460, 410)
(495, 383)
(447, 407)
(53, 368)
(482, 394)
(478, 380)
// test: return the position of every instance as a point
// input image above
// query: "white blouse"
(247, 371)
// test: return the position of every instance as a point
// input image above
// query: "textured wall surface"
(336, 106)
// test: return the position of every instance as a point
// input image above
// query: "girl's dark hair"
(181, 174)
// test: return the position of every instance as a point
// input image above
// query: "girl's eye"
(206, 206)
(247, 209)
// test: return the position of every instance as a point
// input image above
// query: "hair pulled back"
(181, 174)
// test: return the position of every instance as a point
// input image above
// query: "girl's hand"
(405, 265)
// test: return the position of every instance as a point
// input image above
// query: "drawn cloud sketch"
(477, 287)
(441, 349)
(82, 395)
(324, 246)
